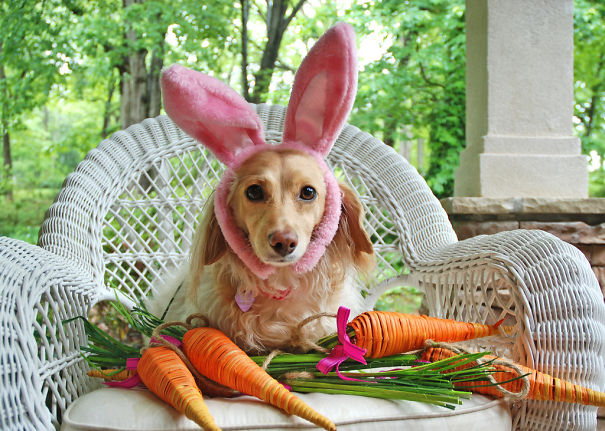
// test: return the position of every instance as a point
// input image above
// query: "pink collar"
(245, 299)
(282, 294)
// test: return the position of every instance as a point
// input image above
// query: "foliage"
(417, 89)
(404, 299)
(589, 70)
(33, 50)
(64, 62)
(21, 217)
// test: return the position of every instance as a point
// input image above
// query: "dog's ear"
(351, 222)
(209, 244)
(210, 111)
(324, 91)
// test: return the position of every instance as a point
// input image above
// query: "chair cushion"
(138, 409)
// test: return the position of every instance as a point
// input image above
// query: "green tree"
(32, 52)
(589, 71)
(417, 89)
(126, 46)
(277, 16)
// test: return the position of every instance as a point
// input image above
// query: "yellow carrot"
(114, 375)
(542, 386)
(385, 333)
(208, 387)
(165, 374)
(215, 356)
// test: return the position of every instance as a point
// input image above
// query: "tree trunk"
(277, 23)
(392, 122)
(140, 87)
(6, 144)
(154, 92)
(245, 4)
(594, 100)
(107, 109)
(8, 163)
(134, 101)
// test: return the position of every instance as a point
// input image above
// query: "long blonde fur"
(215, 275)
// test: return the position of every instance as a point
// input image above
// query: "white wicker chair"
(125, 217)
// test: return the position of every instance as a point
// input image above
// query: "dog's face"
(278, 199)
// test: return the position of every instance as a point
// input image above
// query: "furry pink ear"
(211, 112)
(324, 90)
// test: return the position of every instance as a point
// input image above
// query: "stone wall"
(580, 222)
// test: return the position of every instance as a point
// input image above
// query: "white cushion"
(138, 409)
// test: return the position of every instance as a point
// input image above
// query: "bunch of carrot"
(386, 333)
(542, 386)
(211, 353)
(382, 334)
(215, 356)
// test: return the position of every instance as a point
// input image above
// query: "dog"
(281, 240)
(277, 200)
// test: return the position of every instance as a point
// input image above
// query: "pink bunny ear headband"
(322, 97)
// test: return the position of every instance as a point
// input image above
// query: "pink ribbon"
(131, 364)
(344, 350)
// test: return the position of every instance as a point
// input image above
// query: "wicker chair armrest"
(42, 370)
(542, 286)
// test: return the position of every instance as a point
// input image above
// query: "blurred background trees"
(74, 71)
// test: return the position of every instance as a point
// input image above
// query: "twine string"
(270, 357)
(513, 396)
(297, 338)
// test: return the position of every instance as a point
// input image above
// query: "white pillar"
(519, 102)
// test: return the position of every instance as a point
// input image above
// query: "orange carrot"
(385, 333)
(218, 358)
(165, 374)
(542, 386)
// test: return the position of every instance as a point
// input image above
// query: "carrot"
(165, 374)
(208, 387)
(215, 356)
(113, 375)
(542, 386)
(385, 333)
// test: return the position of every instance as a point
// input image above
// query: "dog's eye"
(307, 193)
(255, 193)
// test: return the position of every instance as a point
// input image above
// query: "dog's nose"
(283, 242)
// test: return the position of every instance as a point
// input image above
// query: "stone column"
(519, 106)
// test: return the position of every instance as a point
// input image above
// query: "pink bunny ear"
(324, 90)
(211, 112)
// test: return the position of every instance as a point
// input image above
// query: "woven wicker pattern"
(125, 217)
(42, 371)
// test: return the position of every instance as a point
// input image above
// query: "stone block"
(469, 229)
(599, 271)
(597, 257)
(590, 210)
(519, 104)
(531, 175)
(586, 250)
(531, 145)
(593, 206)
(461, 205)
(572, 232)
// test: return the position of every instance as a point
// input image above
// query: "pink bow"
(344, 350)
